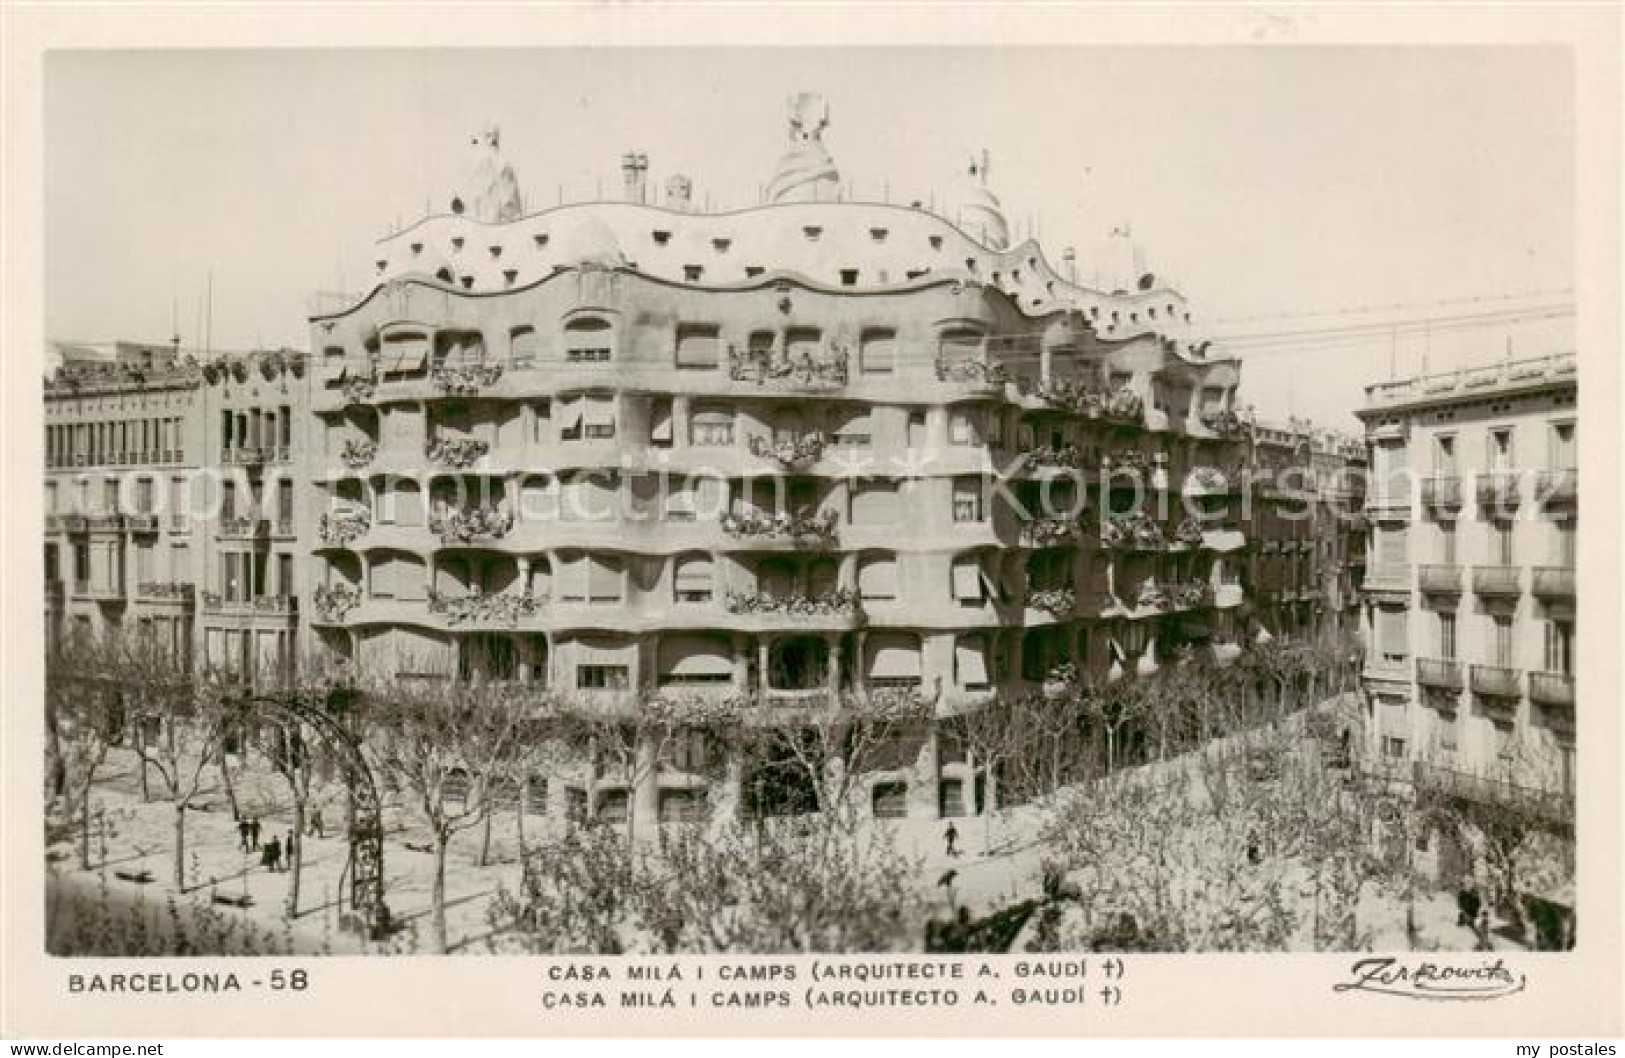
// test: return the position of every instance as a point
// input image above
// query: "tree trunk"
(297, 860)
(519, 821)
(437, 894)
(231, 789)
(84, 831)
(485, 838)
(180, 846)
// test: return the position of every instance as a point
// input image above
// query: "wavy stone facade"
(785, 453)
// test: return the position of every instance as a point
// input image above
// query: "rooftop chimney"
(634, 174)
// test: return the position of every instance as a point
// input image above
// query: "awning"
(893, 661)
(877, 579)
(968, 581)
(971, 661)
(660, 429)
(571, 417)
(693, 657)
(601, 413)
(697, 350)
(1263, 635)
(1225, 653)
(1114, 673)
(1118, 654)
(1224, 540)
(694, 575)
(988, 586)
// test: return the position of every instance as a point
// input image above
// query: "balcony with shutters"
(1496, 682)
(1497, 582)
(1439, 579)
(1441, 492)
(1552, 689)
(1553, 582)
(1439, 673)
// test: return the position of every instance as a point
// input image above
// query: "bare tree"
(835, 745)
(83, 684)
(436, 738)
(181, 725)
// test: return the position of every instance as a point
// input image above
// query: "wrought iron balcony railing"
(1441, 491)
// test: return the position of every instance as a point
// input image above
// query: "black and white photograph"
(1063, 503)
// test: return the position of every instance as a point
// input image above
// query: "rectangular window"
(711, 428)
(850, 429)
(968, 500)
(660, 426)
(602, 677)
(1501, 640)
(110, 496)
(965, 428)
(1392, 636)
(1499, 456)
(1560, 647)
(875, 503)
(143, 495)
(877, 352)
(967, 582)
(1444, 455)
(1447, 635)
(604, 580)
(1501, 543)
(1393, 748)
(698, 347)
(1562, 447)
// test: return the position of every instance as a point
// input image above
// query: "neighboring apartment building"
(615, 450)
(1307, 530)
(159, 462)
(1471, 586)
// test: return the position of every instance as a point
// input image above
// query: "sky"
(1262, 182)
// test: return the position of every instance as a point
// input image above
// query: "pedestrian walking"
(273, 853)
(287, 849)
(1483, 931)
(254, 832)
(315, 823)
(951, 836)
(242, 834)
(265, 858)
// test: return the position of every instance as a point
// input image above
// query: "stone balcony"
(1552, 688)
(1441, 492)
(1441, 673)
(1553, 582)
(1439, 579)
(268, 605)
(1494, 681)
(1497, 581)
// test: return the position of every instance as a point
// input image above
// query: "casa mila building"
(806, 453)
